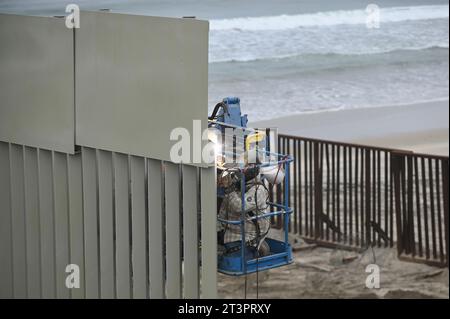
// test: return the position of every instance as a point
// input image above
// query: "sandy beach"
(421, 127)
(326, 273)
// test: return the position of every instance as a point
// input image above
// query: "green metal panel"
(6, 269)
(32, 222)
(76, 220)
(209, 235)
(190, 232)
(106, 219)
(61, 197)
(138, 78)
(122, 215)
(91, 249)
(173, 229)
(156, 224)
(46, 204)
(37, 82)
(139, 227)
(18, 221)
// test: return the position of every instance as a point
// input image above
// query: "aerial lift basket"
(246, 173)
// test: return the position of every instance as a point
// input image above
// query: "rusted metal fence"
(349, 195)
(421, 205)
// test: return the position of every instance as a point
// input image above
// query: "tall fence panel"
(87, 185)
(421, 185)
(355, 196)
(129, 224)
(340, 192)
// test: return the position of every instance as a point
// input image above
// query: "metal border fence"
(136, 227)
(355, 196)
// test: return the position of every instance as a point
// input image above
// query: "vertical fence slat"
(337, 218)
(18, 220)
(32, 222)
(438, 211)
(320, 199)
(391, 200)
(91, 243)
(360, 203)
(312, 207)
(445, 203)
(307, 214)
(368, 197)
(432, 207)
(300, 186)
(328, 191)
(425, 209)
(122, 222)
(379, 195)
(288, 192)
(47, 222)
(403, 200)
(359, 197)
(156, 224)
(208, 233)
(373, 197)
(139, 256)
(278, 187)
(106, 219)
(345, 238)
(357, 186)
(410, 217)
(397, 168)
(6, 254)
(333, 191)
(76, 220)
(61, 198)
(418, 206)
(190, 237)
(374, 194)
(173, 227)
(351, 187)
(295, 188)
(386, 198)
(364, 215)
(317, 192)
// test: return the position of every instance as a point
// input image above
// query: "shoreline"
(421, 127)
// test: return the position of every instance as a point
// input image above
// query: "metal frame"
(354, 196)
(58, 209)
(280, 210)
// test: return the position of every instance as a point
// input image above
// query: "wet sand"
(421, 127)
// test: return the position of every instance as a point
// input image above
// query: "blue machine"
(231, 112)
(238, 257)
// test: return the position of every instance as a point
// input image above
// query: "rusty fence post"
(446, 212)
(397, 169)
(409, 223)
(318, 192)
(367, 198)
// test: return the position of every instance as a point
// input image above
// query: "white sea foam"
(352, 17)
(335, 33)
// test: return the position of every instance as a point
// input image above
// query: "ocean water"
(289, 64)
(284, 57)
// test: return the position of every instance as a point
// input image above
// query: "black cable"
(216, 109)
